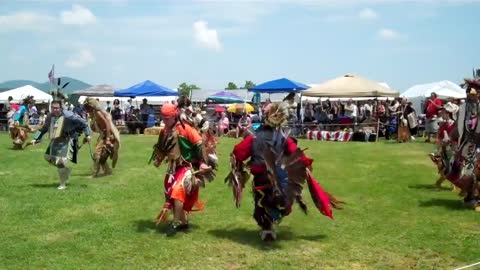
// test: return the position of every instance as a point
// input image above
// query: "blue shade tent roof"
(279, 86)
(146, 88)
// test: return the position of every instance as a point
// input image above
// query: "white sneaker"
(61, 187)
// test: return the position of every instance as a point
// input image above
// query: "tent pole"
(378, 125)
(301, 109)
(245, 102)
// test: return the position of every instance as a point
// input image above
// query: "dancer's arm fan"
(237, 178)
(165, 144)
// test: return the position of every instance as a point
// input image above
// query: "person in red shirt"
(446, 128)
(432, 106)
(279, 170)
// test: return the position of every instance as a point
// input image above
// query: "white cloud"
(388, 34)
(367, 14)
(79, 15)
(26, 21)
(81, 59)
(205, 36)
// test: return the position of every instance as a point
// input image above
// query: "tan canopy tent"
(350, 86)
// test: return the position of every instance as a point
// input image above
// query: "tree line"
(186, 89)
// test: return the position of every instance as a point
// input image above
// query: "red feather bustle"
(319, 196)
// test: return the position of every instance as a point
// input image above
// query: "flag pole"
(51, 78)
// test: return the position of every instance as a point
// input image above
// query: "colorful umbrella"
(240, 108)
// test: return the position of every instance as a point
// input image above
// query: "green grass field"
(394, 218)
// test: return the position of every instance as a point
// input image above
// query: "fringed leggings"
(269, 206)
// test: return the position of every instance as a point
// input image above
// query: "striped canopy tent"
(225, 97)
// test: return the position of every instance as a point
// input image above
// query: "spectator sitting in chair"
(244, 125)
(223, 125)
(134, 124)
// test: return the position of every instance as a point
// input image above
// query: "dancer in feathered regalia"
(108, 143)
(279, 171)
(180, 144)
(465, 170)
(20, 127)
(64, 128)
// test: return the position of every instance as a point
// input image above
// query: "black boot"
(172, 229)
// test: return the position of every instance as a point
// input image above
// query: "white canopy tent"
(18, 94)
(444, 90)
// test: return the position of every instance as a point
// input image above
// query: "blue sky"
(209, 43)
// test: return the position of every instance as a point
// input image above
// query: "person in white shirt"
(368, 108)
(351, 110)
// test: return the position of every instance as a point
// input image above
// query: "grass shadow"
(449, 204)
(428, 186)
(98, 176)
(148, 225)
(81, 174)
(251, 237)
(54, 185)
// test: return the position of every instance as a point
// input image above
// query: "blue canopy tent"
(282, 85)
(146, 88)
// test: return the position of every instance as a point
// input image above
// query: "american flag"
(51, 74)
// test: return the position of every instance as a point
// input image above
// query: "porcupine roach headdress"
(472, 86)
(277, 114)
(57, 91)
